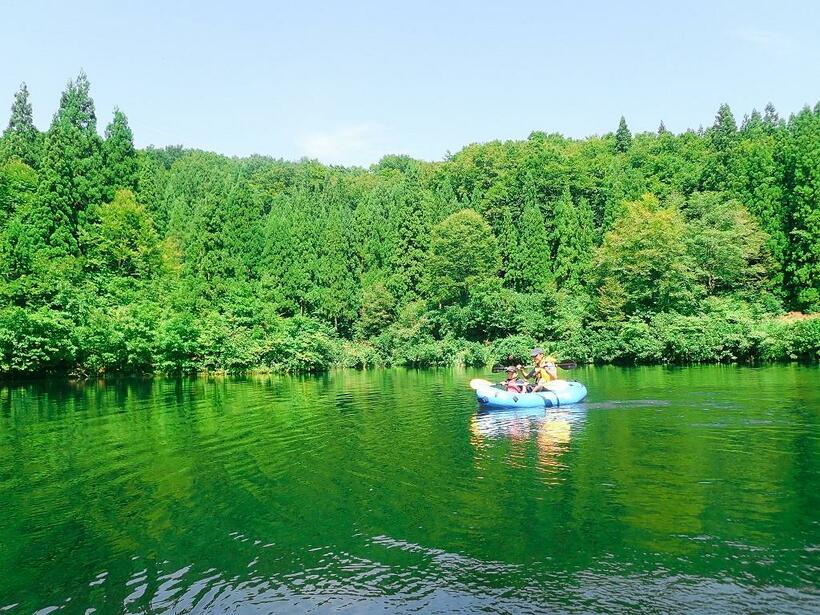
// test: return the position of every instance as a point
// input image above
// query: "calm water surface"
(670, 490)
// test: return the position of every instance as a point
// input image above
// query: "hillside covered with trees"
(650, 247)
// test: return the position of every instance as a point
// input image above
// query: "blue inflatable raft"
(560, 393)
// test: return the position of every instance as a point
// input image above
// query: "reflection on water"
(669, 490)
(553, 439)
(550, 428)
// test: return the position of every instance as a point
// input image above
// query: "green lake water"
(669, 490)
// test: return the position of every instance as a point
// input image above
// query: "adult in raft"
(544, 370)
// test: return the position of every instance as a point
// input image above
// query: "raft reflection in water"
(551, 428)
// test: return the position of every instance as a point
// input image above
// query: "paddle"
(564, 365)
(477, 383)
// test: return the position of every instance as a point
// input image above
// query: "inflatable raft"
(559, 393)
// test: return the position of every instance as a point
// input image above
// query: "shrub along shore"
(655, 247)
(311, 347)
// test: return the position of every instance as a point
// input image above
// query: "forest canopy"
(647, 247)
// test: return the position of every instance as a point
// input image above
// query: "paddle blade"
(477, 383)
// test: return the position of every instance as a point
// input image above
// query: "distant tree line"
(651, 247)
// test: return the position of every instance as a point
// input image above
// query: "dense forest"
(652, 247)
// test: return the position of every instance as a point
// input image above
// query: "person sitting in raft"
(544, 370)
(511, 384)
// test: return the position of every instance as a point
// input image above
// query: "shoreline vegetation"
(656, 247)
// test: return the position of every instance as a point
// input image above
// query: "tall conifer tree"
(623, 138)
(508, 248)
(337, 271)
(724, 130)
(71, 173)
(119, 156)
(802, 187)
(151, 180)
(722, 137)
(575, 234)
(21, 139)
(412, 233)
(532, 271)
(770, 117)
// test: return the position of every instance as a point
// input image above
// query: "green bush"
(303, 345)
(638, 343)
(431, 353)
(226, 345)
(727, 334)
(441, 353)
(535, 314)
(359, 355)
(452, 321)
(119, 339)
(35, 341)
(491, 312)
(474, 354)
(377, 311)
(798, 339)
(805, 339)
(177, 344)
(513, 349)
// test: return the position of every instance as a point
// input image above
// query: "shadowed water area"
(668, 490)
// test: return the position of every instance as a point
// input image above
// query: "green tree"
(530, 269)
(18, 186)
(377, 311)
(152, 178)
(644, 265)
(18, 183)
(723, 140)
(198, 187)
(119, 156)
(242, 216)
(463, 252)
(756, 180)
(508, 248)
(728, 246)
(337, 274)
(802, 195)
(373, 225)
(574, 236)
(123, 240)
(113, 259)
(21, 139)
(623, 138)
(71, 169)
(771, 118)
(724, 130)
(289, 257)
(411, 236)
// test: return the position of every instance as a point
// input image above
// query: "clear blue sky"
(347, 82)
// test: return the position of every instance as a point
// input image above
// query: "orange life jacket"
(543, 371)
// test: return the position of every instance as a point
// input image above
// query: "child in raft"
(512, 384)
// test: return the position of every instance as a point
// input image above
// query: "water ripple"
(391, 491)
